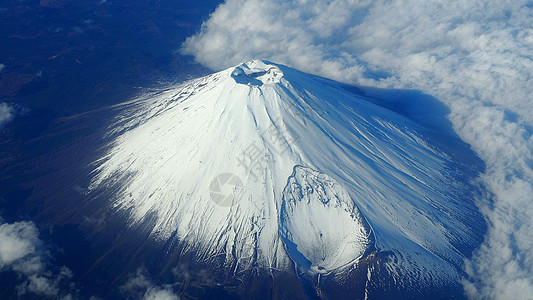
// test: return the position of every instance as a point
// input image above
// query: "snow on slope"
(311, 201)
(314, 174)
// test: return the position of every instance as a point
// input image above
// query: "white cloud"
(7, 113)
(18, 240)
(157, 293)
(22, 252)
(2, 66)
(141, 287)
(475, 56)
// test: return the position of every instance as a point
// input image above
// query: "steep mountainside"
(263, 166)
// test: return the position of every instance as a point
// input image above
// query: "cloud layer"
(475, 56)
(22, 252)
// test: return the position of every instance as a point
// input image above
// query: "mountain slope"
(263, 166)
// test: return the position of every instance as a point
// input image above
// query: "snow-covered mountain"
(264, 167)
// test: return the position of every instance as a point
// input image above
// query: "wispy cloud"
(141, 287)
(7, 113)
(23, 252)
(475, 56)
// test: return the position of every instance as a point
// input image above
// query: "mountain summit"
(263, 167)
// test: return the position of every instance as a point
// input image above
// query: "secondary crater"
(320, 225)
